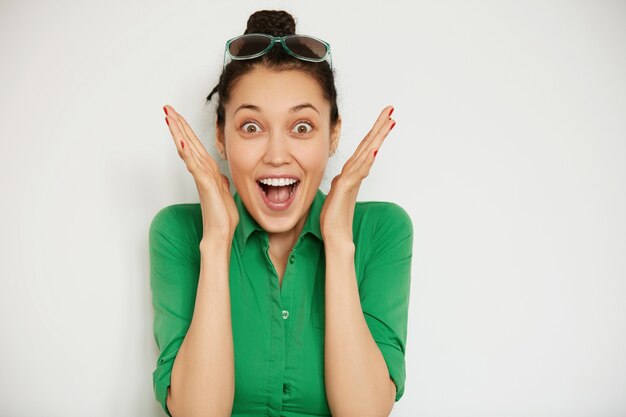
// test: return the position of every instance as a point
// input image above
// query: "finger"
(186, 132)
(383, 117)
(184, 150)
(175, 131)
(367, 149)
(358, 154)
(379, 127)
(173, 121)
(190, 159)
(187, 146)
(225, 181)
(359, 170)
(175, 127)
(191, 135)
(378, 140)
(196, 144)
(362, 162)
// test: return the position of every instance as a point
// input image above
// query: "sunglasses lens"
(248, 45)
(306, 46)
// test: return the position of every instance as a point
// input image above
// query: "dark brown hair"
(275, 23)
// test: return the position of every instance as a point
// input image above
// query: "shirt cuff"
(395, 361)
(161, 379)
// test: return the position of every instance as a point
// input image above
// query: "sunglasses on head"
(253, 45)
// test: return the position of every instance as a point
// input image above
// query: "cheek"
(242, 158)
(312, 158)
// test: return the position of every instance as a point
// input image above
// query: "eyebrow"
(292, 110)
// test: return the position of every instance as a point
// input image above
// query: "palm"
(338, 209)
(219, 212)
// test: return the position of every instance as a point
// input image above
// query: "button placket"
(287, 293)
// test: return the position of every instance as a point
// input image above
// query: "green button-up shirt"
(278, 330)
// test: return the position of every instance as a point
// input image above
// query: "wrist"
(338, 244)
(215, 245)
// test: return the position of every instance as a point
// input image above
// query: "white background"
(509, 154)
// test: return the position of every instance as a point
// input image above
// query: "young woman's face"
(277, 141)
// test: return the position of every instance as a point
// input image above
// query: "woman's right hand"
(219, 212)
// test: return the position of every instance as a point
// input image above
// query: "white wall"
(509, 153)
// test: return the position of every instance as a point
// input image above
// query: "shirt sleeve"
(174, 270)
(384, 289)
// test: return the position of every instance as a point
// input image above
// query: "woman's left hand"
(338, 210)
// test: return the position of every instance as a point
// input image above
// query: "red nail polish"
(182, 144)
(167, 121)
(375, 152)
(164, 109)
(394, 123)
(392, 109)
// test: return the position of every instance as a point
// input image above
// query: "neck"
(282, 243)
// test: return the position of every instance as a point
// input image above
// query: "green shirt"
(278, 331)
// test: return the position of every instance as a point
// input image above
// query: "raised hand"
(219, 212)
(338, 210)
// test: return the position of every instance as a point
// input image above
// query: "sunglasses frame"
(281, 40)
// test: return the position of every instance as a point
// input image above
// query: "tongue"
(278, 194)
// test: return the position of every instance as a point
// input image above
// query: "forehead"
(270, 89)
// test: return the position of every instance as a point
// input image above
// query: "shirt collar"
(247, 224)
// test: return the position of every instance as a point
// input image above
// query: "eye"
(252, 127)
(304, 130)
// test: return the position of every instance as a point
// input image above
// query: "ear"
(219, 141)
(334, 137)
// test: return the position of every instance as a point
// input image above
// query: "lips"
(278, 192)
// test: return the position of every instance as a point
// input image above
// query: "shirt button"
(285, 314)
(292, 259)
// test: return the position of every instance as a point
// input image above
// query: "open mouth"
(278, 193)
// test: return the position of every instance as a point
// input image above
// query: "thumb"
(225, 181)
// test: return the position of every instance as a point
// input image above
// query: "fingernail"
(394, 123)
(392, 109)
(375, 152)
(182, 144)
(167, 121)
(164, 109)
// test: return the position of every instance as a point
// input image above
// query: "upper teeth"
(276, 182)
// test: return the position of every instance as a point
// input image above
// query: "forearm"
(202, 381)
(356, 376)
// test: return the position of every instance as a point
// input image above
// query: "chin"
(278, 225)
(279, 221)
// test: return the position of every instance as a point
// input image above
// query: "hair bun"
(271, 22)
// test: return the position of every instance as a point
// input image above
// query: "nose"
(277, 150)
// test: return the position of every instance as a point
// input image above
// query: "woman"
(279, 300)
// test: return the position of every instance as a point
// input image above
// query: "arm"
(194, 372)
(356, 376)
(202, 375)
(361, 340)
(382, 302)
(203, 382)
(203, 372)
